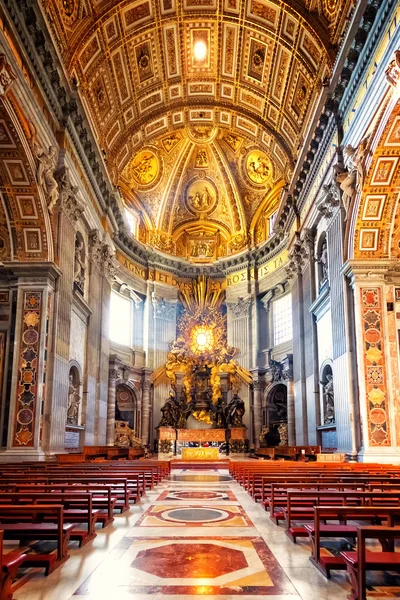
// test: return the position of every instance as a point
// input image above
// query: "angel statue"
(47, 163)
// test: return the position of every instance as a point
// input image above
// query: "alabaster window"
(282, 319)
(121, 319)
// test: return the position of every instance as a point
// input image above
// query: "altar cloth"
(200, 453)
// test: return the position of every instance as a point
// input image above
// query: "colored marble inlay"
(194, 516)
(203, 495)
(27, 374)
(375, 367)
(208, 566)
(394, 363)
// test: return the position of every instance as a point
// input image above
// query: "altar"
(200, 454)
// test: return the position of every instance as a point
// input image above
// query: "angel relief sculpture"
(46, 166)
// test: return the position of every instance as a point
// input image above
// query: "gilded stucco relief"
(236, 111)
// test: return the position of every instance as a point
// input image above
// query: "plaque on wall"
(71, 439)
(328, 439)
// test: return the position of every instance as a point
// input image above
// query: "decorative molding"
(69, 201)
(393, 71)
(297, 259)
(102, 255)
(7, 75)
(329, 200)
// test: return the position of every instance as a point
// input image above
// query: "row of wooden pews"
(332, 500)
(42, 503)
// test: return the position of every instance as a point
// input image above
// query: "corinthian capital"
(240, 309)
(102, 255)
(162, 309)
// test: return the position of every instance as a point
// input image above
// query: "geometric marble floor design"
(196, 535)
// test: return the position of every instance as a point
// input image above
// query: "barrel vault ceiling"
(200, 107)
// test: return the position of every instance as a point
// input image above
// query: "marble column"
(102, 267)
(258, 386)
(297, 262)
(114, 375)
(309, 241)
(240, 336)
(146, 405)
(163, 325)
(377, 358)
(239, 329)
(26, 427)
(67, 214)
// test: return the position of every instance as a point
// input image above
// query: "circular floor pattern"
(195, 515)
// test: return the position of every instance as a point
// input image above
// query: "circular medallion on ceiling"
(258, 167)
(145, 168)
(201, 196)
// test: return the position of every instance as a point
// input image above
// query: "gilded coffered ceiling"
(199, 106)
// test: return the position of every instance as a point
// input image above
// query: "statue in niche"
(323, 260)
(73, 401)
(234, 412)
(47, 164)
(329, 401)
(79, 264)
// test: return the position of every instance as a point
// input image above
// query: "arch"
(23, 200)
(127, 405)
(375, 216)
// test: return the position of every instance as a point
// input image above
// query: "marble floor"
(197, 534)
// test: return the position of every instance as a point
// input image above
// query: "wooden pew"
(280, 508)
(358, 563)
(36, 529)
(9, 565)
(78, 508)
(295, 510)
(102, 497)
(319, 529)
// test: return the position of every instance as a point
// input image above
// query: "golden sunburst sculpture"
(202, 341)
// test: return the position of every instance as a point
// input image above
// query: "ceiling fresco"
(199, 106)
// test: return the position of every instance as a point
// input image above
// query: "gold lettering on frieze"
(131, 266)
(263, 271)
